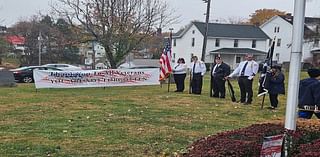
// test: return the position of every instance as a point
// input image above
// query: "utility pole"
(93, 56)
(39, 43)
(204, 47)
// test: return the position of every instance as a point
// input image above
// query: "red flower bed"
(248, 141)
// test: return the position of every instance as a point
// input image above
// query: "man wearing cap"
(309, 95)
(245, 71)
(197, 71)
(219, 70)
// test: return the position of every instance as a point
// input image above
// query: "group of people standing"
(220, 72)
(309, 89)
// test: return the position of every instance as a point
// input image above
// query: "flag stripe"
(165, 61)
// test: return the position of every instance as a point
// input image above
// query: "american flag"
(165, 61)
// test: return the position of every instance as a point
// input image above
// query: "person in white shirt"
(197, 71)
(179, 74)
(245, 72)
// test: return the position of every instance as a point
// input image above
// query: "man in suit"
(219, 70)
(245, 71)
(198, 69)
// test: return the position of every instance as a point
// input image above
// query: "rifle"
(231, 91)
(264, 77)
(211, 82)
(190, 83)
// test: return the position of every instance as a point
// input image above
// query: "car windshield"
(23, 68)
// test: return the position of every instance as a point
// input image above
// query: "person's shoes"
(271, 108)
(176, 91)
(247, 103)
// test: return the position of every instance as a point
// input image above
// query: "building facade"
(231, 41)
(280, 28)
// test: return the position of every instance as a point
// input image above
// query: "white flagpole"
(295, 64)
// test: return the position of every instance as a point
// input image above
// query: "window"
(238, 59)
(217, 42)
(236, 43)
(276, 29)
(279, 42)
(270, 42)
(193, 42)
(193, 31)
(316, 42)
(277, 57)
(254, 44)
(174, 42)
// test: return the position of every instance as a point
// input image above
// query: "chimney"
(289, 17)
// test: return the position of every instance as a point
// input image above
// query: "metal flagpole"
(295, 64)
(169, 78)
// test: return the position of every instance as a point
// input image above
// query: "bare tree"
(119, 25)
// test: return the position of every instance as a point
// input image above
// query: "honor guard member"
(246, 71)
(276, 85)
(219, 70)
(179, 74)
(309, 95)
(197, 71)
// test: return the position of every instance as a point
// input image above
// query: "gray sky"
(12, 11)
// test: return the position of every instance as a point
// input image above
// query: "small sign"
(272, 146)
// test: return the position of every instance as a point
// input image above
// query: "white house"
(87, 50)
(280, 28)
(231, 41)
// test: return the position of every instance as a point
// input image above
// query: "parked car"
(64, 67)
(25, 74)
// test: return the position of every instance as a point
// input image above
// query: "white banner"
(96, 78)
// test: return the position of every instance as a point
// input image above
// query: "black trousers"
(179, 80)
(196, 83)
(246, 92)
(218, 85)
(273, 100)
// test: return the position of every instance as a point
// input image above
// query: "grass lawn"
(118, 121)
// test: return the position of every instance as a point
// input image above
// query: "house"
(231, 41)
(3, 29)
(140, 63)
(18, 43)
(87, 49)
(280, 27)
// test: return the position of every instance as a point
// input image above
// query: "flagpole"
(169, 78)
(295, 64)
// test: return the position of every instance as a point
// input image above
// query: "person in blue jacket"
(309, 95)
(276, 85)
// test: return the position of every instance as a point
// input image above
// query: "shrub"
(248, 141)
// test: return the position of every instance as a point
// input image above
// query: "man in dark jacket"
(219, 70)
(309, 95)
(276, 85)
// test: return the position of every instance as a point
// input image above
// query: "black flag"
(263, 80)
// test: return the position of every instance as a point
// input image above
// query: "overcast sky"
(12, 11)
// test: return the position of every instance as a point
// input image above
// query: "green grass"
(117, 121)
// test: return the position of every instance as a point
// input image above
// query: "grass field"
(117, 121)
